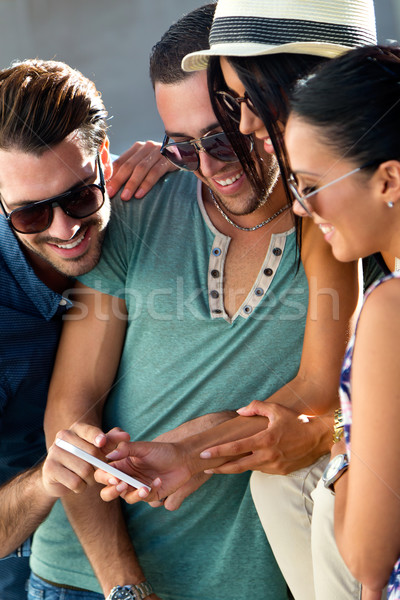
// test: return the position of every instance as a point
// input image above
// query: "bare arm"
(333, 298)
(367, 503)
(24, 505)
(90, 348)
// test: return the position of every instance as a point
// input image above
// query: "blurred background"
(110, 41)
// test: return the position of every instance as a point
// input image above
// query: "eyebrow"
(203, 132)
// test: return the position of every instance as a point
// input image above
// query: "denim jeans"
(40, 590)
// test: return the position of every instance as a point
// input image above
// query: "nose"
(208, 164)
(249, 122)
(63, 227)
(299, 210)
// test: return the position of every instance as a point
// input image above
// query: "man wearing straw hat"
(215, 576)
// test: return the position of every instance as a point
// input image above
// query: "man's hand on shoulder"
(139, 168)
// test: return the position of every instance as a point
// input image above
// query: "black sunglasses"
(231, 104)
(185, 155)
(78, 204)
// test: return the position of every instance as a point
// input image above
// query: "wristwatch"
(335, 469)
(131, 592)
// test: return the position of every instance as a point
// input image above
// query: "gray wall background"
(110, 42)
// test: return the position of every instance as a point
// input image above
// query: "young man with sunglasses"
(205, 272)
(54, 160)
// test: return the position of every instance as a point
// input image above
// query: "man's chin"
(68, 267)
(77, 266)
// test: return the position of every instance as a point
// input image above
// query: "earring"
(390, 204)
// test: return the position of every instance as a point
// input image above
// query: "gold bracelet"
(338, 427)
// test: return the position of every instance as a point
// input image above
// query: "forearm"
(90, 349)
(196, 427)
(98, 525)
(309, 394)
(24, 505)
(101, 529)
(370, 561)
(290, 442)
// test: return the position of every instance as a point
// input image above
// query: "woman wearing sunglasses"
(252, 68)
(345, 159)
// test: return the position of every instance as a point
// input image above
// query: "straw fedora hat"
(256, 27)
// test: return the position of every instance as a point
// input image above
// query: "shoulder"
(379, 322)
(382, 300)
(169, 196)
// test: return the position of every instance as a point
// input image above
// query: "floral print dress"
(393, 589)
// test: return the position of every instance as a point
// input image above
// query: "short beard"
(64, 268)
(270, 173)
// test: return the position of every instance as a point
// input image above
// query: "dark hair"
(355, 100)
(42, 102)
(269, 80)
(189, 34)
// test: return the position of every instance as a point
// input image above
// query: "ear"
(105, 157)
(388, 179)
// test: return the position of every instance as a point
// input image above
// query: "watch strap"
(144, 589)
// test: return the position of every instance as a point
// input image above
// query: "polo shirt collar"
(44, 300)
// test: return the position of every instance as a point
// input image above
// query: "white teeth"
(325, 228)
(72, 244)
(229, 180)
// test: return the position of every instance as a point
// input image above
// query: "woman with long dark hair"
(344, 149)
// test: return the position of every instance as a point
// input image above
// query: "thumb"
(126, 449)
(256, 407)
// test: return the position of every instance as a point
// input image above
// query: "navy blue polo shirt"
(30, 326)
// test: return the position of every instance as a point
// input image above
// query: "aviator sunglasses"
(78, 203)
(231, 104)
(185, 155)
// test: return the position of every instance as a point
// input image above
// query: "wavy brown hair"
(42, 102)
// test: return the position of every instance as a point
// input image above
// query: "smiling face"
(351, 213)
(70, 246)
(186, 111)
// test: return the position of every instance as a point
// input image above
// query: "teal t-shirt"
(184, 357)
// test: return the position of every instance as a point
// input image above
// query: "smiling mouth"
(229, 180)
(72, 244)
(325, 228)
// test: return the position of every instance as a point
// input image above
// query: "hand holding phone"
(99, 464)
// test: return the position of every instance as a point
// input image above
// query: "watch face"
(333, 466)
(334, 469)
(123, 594)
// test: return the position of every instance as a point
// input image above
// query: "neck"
(232, 224)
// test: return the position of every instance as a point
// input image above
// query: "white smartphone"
(99, 464)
